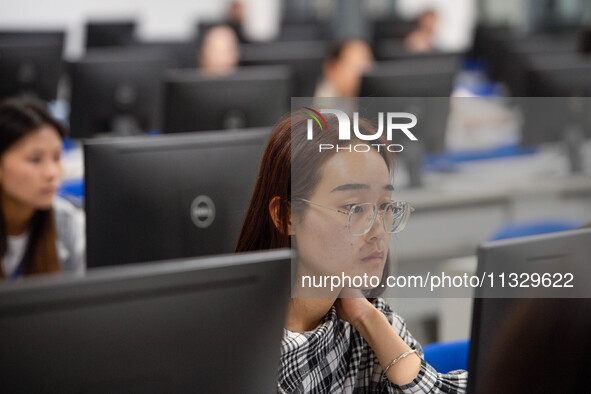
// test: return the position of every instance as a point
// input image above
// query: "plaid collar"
(325, 360)
(335, 358)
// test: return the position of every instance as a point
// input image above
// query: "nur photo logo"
(394, 123)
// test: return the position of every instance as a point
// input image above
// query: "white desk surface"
(501, 179)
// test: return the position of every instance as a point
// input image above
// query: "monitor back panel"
(154, 198)
(108, 85)
(251, 97)
(30, 69)
(149, 328)
(543, 253)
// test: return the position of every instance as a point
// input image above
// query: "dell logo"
(202, 211)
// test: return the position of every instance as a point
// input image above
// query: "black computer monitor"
(411, 77)
(250, 97)
(210, 325)
(304, 29)
(486, 42)
(391, 49)
(557, 89)
(116, 91)
(303, 57)
(107, 34)
(20, 36)
(535, 254)
(564, 75)
(584, 40)
(169, 196)
(543, 43)
(419, 86)
(553, 119)
(390, 27)
(521, 67)
(513, 54)
(30, 69)
(176, 53)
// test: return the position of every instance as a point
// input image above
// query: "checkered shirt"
(335, 358)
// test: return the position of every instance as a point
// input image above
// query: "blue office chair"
(447, 356)
(533, 227)
(73, 191)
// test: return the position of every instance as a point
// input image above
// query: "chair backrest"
(533, 227)
(447, 356)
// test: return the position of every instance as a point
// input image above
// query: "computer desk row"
(456, 212)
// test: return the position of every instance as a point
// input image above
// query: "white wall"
(513, 13)
(456, 20)
(156, 18)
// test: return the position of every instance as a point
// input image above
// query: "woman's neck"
(16, 216)
(306, 313)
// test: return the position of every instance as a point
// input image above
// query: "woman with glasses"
(335, 208)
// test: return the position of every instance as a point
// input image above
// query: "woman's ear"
(275, 210)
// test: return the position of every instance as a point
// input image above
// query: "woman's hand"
(353, 307)
(379, 334)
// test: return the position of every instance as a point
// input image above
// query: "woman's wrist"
(367, 319)
(379, 333)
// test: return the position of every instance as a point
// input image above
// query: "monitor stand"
(125, 125)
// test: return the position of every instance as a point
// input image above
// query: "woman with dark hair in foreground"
(336, 209)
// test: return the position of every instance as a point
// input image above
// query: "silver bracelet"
(398, 359)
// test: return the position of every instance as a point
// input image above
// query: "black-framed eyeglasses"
(393, 214)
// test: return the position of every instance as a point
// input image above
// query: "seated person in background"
(219, 53)
(343, 68)
(421, 39)
(39, 232)
(544, 347)
(336, 209)
(236, 20)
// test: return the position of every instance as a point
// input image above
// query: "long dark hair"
(18, 118)
(291, 169)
